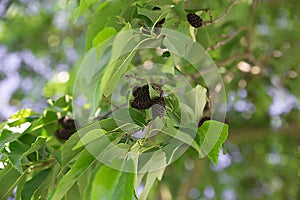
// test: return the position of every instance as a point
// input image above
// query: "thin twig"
(110, 112)
(135, 77)
(228, 39)
(233, 3)
(235, 57)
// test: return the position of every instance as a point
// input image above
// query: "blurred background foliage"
(255, 47)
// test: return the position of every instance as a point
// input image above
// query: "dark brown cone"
(67, 122)
(194, 20)
(63, 134)
(141, 104)
(142, 99)
(141, 91)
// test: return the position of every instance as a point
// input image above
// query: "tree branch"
(110, 112)
(234, 57)
(228, 39)
(233, 3)
(249, 35)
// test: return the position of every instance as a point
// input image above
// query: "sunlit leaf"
(103, 35)
(113, 184)
(197, 100)
(212, 135)
(151, 177)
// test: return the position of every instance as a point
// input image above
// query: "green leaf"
(9, 179)
(202, 37)
(196, 101)
(20, 188)
(21, 117)
(110, 184)
(182, 47)
(183, 135)
(74, 193)
(38, 143)
(130, 116)
(212, 135)
(82, 164)
(103, 18)
(124, 49)
(7, 136)
(88, 137)
(84, 5)
(91, 70)
(19, 149)
(68, 153)
(89, 186)
(125, 187)
(31, 185)
(64, 102)
(83, 183)
(151, 178)
(104, 183)
(153, 15)
(48, 183)
(108, 124)
(103, 35)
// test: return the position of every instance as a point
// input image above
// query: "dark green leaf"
(38, 143)
(48, 184)
(34, 183)
(131, 116)
(104, 17)
(202, 37)
(153, 15)
(108, 124)
(74, 193)
(68, 153)
(82, 164)
(9, 179)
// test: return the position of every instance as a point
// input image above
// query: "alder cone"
(142, 99)
(141, 91)
(194, 20)
(69, 128)
(67, 122)
(64, 134)
(158, 107)
(141, 103)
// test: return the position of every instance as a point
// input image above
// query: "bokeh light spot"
(53, 40)
(255, 70)
(244, 66)
(63, 77)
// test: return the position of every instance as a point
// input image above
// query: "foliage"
(37, 164)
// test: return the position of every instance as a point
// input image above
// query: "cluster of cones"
(143, 101)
